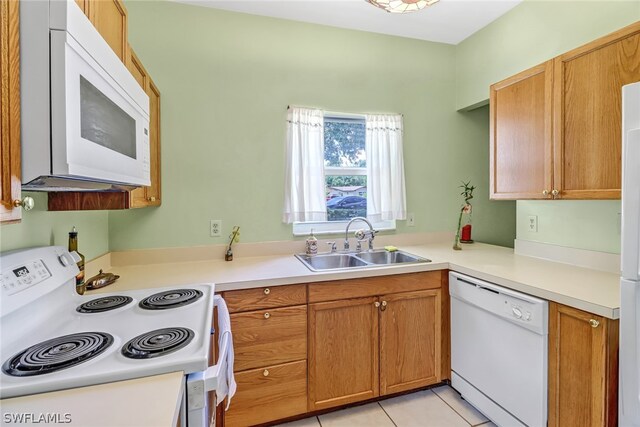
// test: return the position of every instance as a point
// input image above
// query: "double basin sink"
(348, 261)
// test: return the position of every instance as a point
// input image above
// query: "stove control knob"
(527, 316)
(517, 312)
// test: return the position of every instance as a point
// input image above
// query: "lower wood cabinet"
(268, 394)
(343, 352)
(410, 328)
(270, 342)
(361, 348)
(583, 368)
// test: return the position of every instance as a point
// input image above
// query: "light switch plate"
(532, 223)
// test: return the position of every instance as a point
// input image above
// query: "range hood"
(57, 183)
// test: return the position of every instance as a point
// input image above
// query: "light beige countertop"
(151, 401)
(590, 290)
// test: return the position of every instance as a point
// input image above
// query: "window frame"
(337, 227)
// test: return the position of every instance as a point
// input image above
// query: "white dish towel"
(226, 382)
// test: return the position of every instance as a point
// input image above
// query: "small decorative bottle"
(311, 245)
(81, 286)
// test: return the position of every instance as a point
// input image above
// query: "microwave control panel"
(21, 277)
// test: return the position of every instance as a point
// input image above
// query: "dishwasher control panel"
(525, 310)
(518, 309)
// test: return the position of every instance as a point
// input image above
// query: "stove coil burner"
(100, 305)
(57, 353)
(157, 343)
(170, 299)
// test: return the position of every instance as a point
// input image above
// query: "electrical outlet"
(215, 226)
(533, 223)
(411, 220)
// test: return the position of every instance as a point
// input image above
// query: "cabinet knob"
(376, 304)
(265, 373)
(384, 305)
(267, 315)
(545, 193)
(554, 193)
(594, 323)
(151, 198)
(27, 203)
(267, 291)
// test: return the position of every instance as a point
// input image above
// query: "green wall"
(226, 80)
(41, 228)
(529, 34)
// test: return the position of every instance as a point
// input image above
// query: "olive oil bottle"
(81, 286)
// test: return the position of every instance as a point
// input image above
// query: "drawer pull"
(376, 304)
(384, 306)
(267, 315)
(265, 373)
(594, 323)
(267, 291)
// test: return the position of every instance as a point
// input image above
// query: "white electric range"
(53, 339)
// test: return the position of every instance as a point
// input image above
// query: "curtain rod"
(341, 112)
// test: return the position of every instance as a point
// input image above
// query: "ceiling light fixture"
(402, 6)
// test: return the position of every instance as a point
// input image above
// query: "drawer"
(268, 394)
(269, 337)
(267, 297)
(374, 286)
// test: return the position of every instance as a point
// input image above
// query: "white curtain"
(304, 190)
(386, 198)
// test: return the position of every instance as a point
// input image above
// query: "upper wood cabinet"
(521, 135)
(556, 128)
(10, 177)
(110, 19)
(583, 368)
(588, 114)
(148, 196)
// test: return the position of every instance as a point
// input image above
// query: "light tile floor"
(437, 407)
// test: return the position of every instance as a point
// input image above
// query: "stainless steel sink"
(383, 257)
(331, 261)
(351, 260)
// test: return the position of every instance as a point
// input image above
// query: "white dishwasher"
(499, 351)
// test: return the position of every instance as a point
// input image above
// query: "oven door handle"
(220, 375)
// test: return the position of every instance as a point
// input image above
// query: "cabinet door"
(410, 340)
(110, 19)
(153, 193)
(10, 177)
(139, 195)
(583, 366)
(521, 135)
(343, 352)
(588, 114)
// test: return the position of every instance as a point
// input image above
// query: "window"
(345, 169)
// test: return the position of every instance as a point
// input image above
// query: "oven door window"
(104, 123)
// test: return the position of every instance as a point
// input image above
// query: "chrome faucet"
(371, 233)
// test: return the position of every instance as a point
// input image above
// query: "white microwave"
(84, 118)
